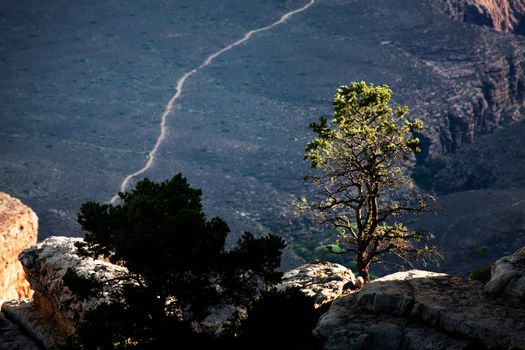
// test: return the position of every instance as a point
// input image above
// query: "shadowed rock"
(11, 338)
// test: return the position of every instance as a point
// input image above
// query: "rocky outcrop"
(323, 280)
(406, 310)
(423, 310)
(18, 230)
(508, 276)
(500, 15)
(55, 311)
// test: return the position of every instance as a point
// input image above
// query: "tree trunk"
(362, 267)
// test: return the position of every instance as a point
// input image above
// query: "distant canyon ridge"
(484, 80)
(501, 15)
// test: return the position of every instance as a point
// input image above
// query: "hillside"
(482, 196)
(84, 86)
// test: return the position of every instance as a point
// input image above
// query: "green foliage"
(423, 174)
(361, 157)
(81, 285)
(366, 127)
(309, 250)
(177, 262)
(482, 274)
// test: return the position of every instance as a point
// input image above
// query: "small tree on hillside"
(362, 185)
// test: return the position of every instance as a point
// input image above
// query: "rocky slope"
(18, 230)
(406, 310)
(501, 15)
(464, 80)
(494, 161)
(426, 310)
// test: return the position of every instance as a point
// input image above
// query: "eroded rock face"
(423, 310)
(18, 230)
(508, 276)
(501, 15)
(55, 311)
(325, 281)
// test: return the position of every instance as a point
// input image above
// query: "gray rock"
(508, 276)
(325, 281)
(55, 311)
(12, 338)
(423, 310)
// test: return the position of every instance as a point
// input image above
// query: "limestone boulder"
(508, 276)
(323, 280)
(55, 311)
(423, 310)
(18, 230)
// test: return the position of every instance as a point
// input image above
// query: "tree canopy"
(363, 188)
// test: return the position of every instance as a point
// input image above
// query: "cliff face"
(501, 15)
(18, 230)
(482, 86)
(495, 97)
(498, 96)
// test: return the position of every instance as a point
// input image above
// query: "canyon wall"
(18, 230)
(500, 15)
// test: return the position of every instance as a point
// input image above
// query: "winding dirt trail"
(180, 86)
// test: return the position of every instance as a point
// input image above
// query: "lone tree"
(362, 184)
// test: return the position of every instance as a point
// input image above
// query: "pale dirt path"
(180, 86)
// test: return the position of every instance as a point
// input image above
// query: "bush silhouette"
(178, 267)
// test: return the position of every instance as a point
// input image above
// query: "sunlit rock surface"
(423, 310)
(324, 281)
(55, 311)
(18, 230)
